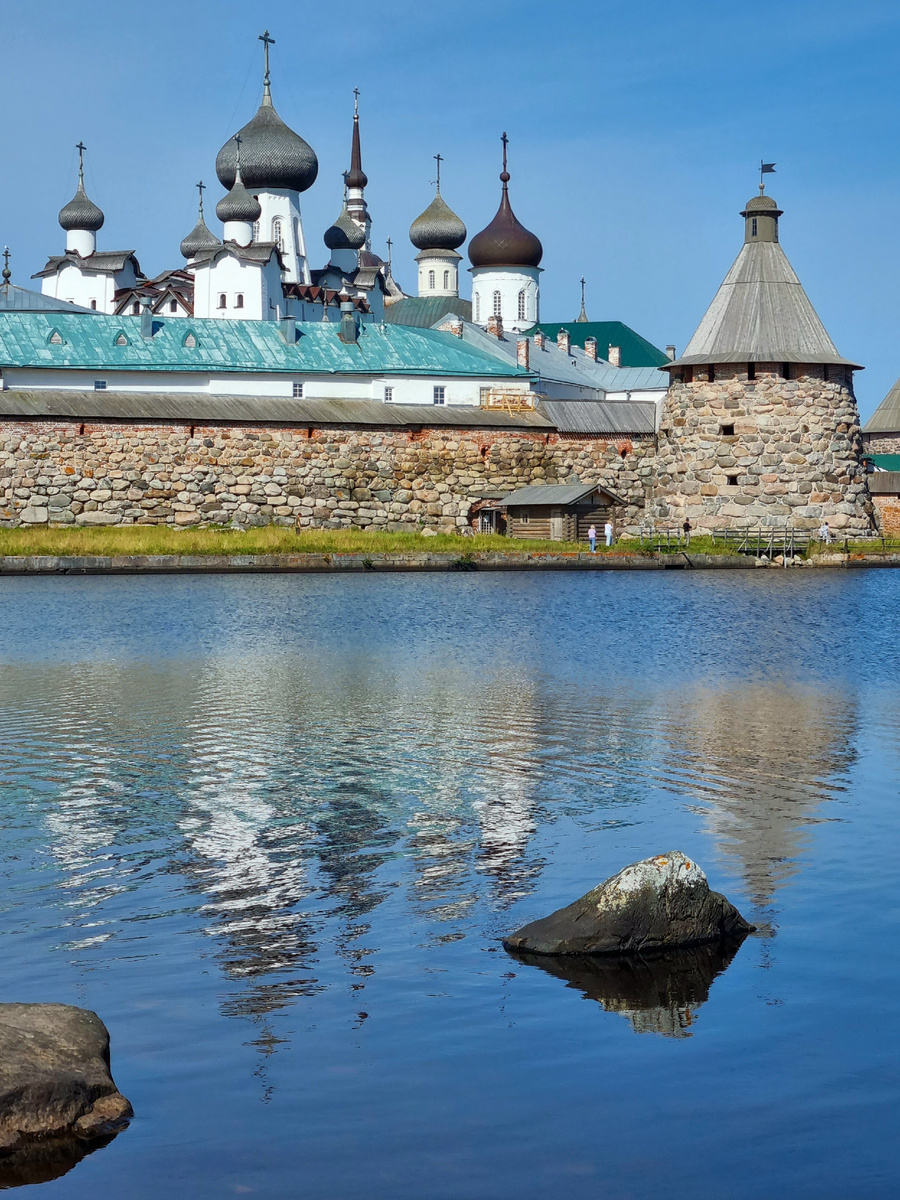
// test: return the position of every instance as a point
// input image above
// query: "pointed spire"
(505, 242)
(582, 318)
(356, 176)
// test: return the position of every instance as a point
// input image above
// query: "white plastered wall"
(283, 206)
(509, 282)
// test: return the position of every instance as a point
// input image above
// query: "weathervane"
(765, 169)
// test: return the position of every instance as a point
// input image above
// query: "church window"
(431, 279)
(298, 390)
(55, 338)
(190, 341)
(221, 299)
(753, 227)
(388, 395)
(477, 307)
(121, 340)
(522, 305)
(446, 281)
(276, 234)
(239, 300)
(498, 306)
(99, 385)
(94, 305)
(439, 394)
(256, 231)
(173, 306)
(136, 309)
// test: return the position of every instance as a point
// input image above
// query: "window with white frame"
(239, 300)
(256, 231)
(446, 281)
(99, 385)
(431, 279)
(388, 395)
(173, 306)
(298, 390)
(222, 300)
(439, 394)
(276, 234)
(498, 305)
(522, 305)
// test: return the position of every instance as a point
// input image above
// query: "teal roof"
(89, 342)
(636, 351)
(424, 311)
(885, 462)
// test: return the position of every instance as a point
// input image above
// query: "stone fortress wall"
(108, 473)
(740, 452)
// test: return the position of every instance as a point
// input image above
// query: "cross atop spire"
(267, 42)
(81, 147)
(504, 177)
(201, 187)
(7, 274)
(390, 246)
(438, 159)
(582, 316)
(356, 102)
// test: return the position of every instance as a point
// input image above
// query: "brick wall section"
(881, 443)
(60, 472)
(889, 514)
(794, 455)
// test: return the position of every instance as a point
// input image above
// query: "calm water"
(273, 828)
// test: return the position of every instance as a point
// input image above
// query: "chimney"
(348, 331)
(495, 326)
(590, 348)
(539, 339)
(288, 328)
(562, 340)
(615, 355)
(670, 353)
(523, 352)
(146, 319)
(456, 327)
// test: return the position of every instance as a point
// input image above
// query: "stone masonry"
(739, 452)
(105, 473)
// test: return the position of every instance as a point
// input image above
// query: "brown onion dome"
(505, 242)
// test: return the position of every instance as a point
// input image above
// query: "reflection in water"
(658, 994)
(47, 1160)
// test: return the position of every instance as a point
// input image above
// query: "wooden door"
(556, 525)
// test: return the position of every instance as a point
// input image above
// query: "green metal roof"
(89, 342)
(636, 351)
(424, 311)
(885, 462)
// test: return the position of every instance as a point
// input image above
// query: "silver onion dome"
(272, 155)
(438, 228)
(238, 205)
(344, 234)
(81, 212)
(200, 238)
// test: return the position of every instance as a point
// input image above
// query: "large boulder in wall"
(55, 1080)
(652, 905)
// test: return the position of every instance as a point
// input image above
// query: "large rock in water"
(55, 1081)
(654, 904)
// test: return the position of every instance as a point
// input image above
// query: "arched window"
(94, 304)
(446, 281)
(477, 307)
(55, 338)
(173, 306)
(522, 305)
(256, 231)
(239, 300)
(136, 309)
(121, 340)
(753, 227)
(221, 299)
(498, 307)
(431, 279)
(190, 341)
(276, 233)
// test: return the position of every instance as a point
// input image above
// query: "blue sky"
(635, 131)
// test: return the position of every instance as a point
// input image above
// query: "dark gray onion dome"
(438, 228)
(344, 234)
(200, 238)
(238, 205)
(80, 212)
(505, 242)
(272, 156)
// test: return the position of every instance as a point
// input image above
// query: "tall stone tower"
(760, 426)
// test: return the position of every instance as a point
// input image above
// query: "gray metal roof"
(18, 299)
(601, 416)
(557, 493)
(426, 312)
(193, 407)
(103, 262)
(886, 417)
(760, 314)
(884, 483)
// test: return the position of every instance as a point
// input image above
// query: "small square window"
(523, 517)
(731, 480)
(99, 385)
(439, 394)
(726, 430)
(388, 395)
(298, 391)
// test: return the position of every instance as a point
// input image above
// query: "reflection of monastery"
(755, 424)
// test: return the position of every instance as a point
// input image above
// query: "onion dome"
(368, 259)
(200, 237)
(356, 176)
(344, 234)
(80, 212)
(272, 155)
(238, 205)
(505, 242)
(438, 228)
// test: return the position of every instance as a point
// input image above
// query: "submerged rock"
(55, 1081)
(655, 904)
(658, 994)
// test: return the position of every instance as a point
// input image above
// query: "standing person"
(687, 532)
(825, 534)
(608, 530)
(592, 538)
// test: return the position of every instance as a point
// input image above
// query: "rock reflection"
(45, 1161)
(657, 994)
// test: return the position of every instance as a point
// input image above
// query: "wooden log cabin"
(559, 512)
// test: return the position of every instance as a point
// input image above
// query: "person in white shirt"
(825, 534)
(608, 530)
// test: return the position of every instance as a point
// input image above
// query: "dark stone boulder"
(55, 1082)
(655, 904)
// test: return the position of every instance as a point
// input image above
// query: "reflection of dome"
(438, 228)
(200, 238)
(80, 212)
(272, 156)
(344, 234)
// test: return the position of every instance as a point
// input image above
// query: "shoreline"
(311, 563)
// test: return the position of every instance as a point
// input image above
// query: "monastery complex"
(249, 385)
